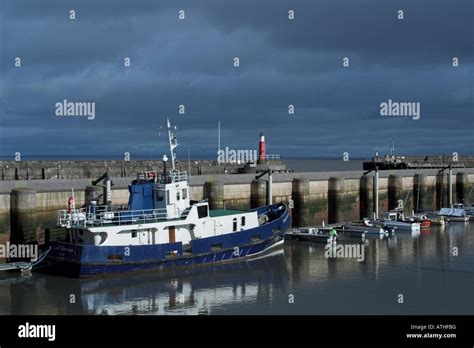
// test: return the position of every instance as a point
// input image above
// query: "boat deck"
(225, 212)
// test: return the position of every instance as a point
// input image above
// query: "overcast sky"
(282, 62)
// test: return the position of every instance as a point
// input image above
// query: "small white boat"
(457, 218)
(394, 221)
(455, 214)
(312, 234)
(364, 227)
(468, 209)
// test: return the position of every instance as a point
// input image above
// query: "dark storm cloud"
(282, 62)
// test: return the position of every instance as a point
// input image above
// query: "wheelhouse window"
(168, 197)
(177, 195)
(242, 221)
(202, 211)
(185, 193)
(234, 224)
(159, 195)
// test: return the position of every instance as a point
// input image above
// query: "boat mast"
(173, 144)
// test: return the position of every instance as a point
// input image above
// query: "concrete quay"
(317, 196)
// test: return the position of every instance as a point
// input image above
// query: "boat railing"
(272, 157)
(62, 218)
(108, 208)
(178, 176)
(88, 218)
(162, 178)
(147, 175)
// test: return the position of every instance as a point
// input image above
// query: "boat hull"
(400, 226)
(355, 229)
(306, 237)
(457, 218)
(83, 269)
(73, 260)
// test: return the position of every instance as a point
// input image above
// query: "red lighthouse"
(261, 147)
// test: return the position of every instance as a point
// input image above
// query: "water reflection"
(424, 267)
(185, 292)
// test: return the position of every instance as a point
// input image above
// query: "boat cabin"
(159, 211)
(167, 193)
(394, 215)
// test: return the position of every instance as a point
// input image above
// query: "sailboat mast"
(173, 144)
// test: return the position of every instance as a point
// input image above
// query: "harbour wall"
(46, 170)
(76, 169)
(313, 197)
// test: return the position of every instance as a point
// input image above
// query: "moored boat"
(364, 226)
(455, 214)
(421, 219)
(160, 229)
(394, 220)
(312, 234)
(468, 210)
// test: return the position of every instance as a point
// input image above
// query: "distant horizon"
(132, 158)
(200, 157)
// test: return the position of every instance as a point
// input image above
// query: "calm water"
(423, 269)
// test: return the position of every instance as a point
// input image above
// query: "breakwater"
(46, 170)
(313, 197)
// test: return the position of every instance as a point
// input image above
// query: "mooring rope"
(34, 263)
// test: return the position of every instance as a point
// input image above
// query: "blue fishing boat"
(160, 229)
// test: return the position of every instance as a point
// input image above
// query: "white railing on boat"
(175, 176)
(178, 176)
(149, 174)
(87, 218)
(272, 157)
